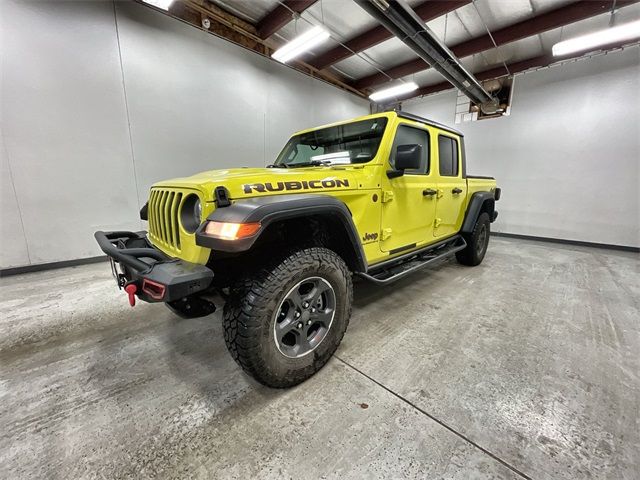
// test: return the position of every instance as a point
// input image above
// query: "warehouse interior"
(523, 367)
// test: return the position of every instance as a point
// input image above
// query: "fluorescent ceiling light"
(627, 31)
(162, 4)
(393, 91)
(301, 44)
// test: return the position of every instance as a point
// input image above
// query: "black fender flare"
(268, 210)
(475, 207)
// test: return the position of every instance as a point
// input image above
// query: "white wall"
(568, 157)
(76, 74)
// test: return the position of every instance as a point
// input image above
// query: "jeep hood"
(251, 182)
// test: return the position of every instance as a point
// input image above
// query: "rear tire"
(477, 242)
(284, 323)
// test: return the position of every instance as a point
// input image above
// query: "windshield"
(346, 144)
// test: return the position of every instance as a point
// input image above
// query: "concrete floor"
(524, 367)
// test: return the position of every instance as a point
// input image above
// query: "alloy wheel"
(304, 317)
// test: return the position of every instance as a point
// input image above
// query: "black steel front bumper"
(157, 277)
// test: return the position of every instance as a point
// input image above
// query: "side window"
(448, 153)
(406, 135)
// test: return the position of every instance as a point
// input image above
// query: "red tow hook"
(131, 290)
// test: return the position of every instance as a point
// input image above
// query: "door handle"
(429, 191)
(456, 191)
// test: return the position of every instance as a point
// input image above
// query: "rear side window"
(406, 135)
(448, 153)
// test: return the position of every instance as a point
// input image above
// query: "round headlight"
(191, 213)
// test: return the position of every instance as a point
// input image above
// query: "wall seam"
(126, 107)
(15, 195)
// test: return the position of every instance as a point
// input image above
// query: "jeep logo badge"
(369, 237)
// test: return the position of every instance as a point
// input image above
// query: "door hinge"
(387, 196)
(440, 192)
(437, 222)
(386, 233)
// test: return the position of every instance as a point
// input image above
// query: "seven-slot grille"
(164, 209)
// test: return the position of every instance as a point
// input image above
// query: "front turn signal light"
(230, 231)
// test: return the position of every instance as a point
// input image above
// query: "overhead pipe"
(397, 17)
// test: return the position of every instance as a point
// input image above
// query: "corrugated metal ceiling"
(345, 19)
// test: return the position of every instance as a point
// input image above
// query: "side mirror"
(408, 157)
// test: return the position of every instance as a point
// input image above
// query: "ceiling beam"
(231, 28)
(401, 20)
(427, 10)
(559, 17)
(280, 16)
(222, 18)
(540, 61)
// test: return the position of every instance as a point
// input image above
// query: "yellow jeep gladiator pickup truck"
(378, 196)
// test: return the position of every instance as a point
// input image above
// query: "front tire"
(477, 242)
(284, 323)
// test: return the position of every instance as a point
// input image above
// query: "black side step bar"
(395, 269)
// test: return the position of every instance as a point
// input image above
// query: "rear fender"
(480, 202)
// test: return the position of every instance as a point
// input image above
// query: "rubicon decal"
(295, 185)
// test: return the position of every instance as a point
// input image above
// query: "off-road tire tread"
(244, 310)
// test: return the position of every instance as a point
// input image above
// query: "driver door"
(409, 201)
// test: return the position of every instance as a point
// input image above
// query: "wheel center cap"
(305, 315)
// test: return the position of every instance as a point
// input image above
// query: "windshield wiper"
(312, 163)
(277, 165)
